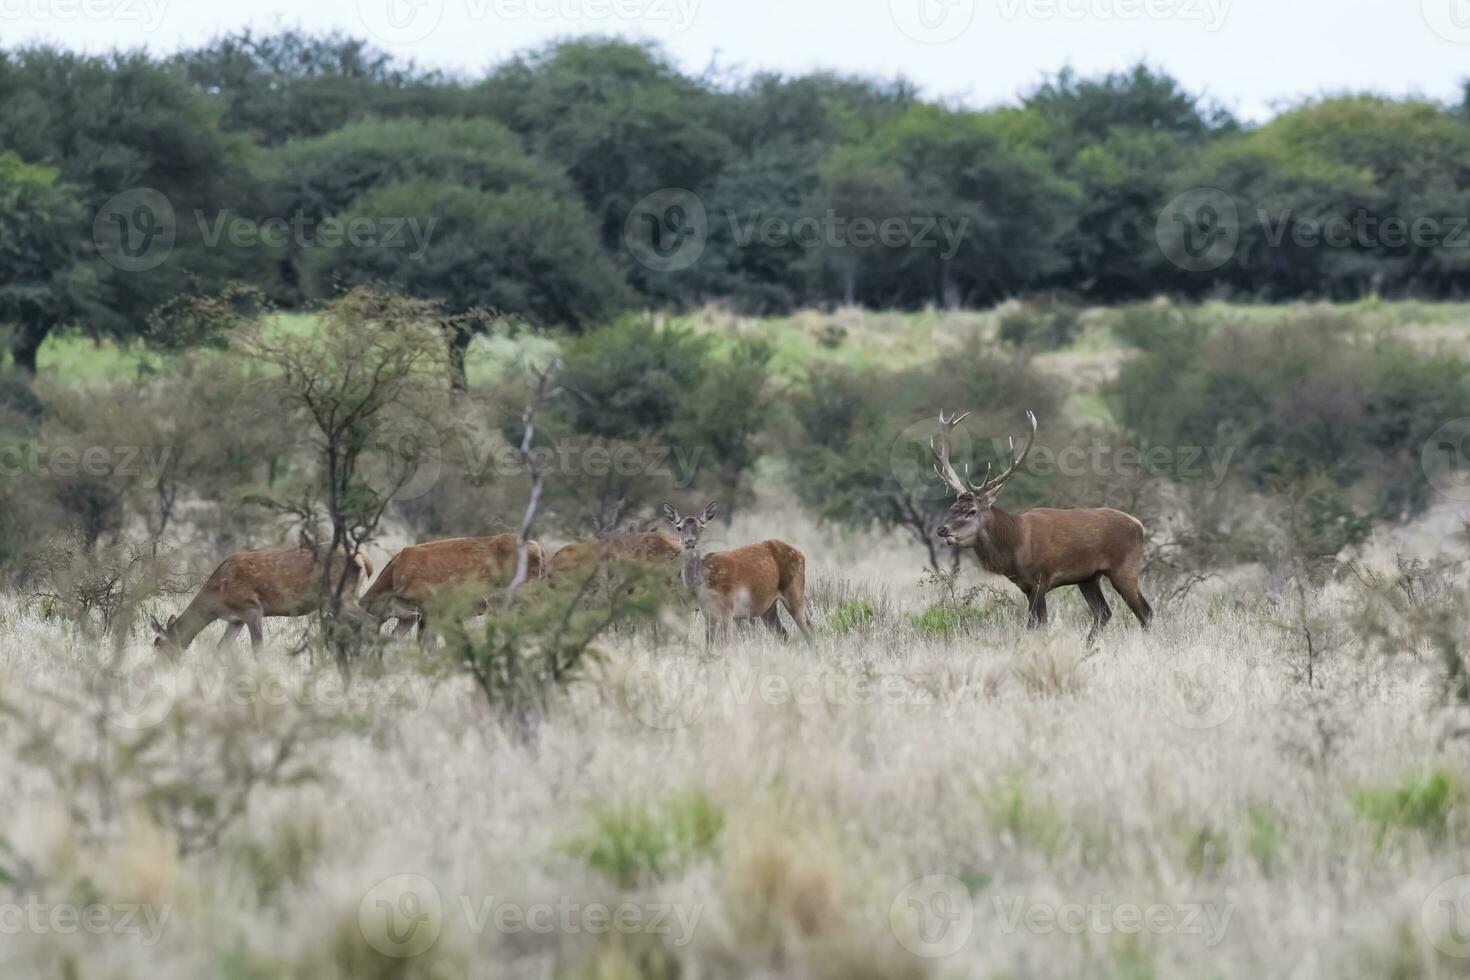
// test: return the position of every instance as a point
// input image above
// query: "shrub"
(1041, 326)
(631, 842)
(1421, 801)
(852, 615)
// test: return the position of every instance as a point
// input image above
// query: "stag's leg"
(253, 622)
(1126, 585)
(403, 627)
(1092, 592)
(232, 630)
(795, 599)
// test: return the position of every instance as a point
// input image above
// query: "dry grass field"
(890, 801)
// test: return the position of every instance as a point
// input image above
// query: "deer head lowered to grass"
(1043, 548)
(746, 583)
(250, 585)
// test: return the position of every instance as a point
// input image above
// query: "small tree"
(373, 367)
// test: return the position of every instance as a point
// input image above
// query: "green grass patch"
(1422, 802)
(632, 842)
(852, 615)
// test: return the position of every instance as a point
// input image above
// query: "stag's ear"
(153, 621)
(670, 514)
(710, 512)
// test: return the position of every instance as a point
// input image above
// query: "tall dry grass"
(888, 802)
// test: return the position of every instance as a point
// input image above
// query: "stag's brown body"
(421, 573)
(250, 585)
(1044, 549)
(648, 546)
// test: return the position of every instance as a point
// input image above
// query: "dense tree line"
(304, 164)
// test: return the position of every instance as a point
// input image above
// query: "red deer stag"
(745, 583)
(251, 585)
(420, 572)
(1043, 549)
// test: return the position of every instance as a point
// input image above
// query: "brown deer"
(251, 585)
(742, 584)
(420, 572)
(1043, 549)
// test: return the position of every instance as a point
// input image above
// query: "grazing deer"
(745, 583)
(1043, 549)
(421, 571)
(251, 585)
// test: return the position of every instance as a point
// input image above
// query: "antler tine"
(939, 445)
(992, 487)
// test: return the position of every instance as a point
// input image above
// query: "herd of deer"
(1038, 550)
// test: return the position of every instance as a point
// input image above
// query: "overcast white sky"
(1249, 54)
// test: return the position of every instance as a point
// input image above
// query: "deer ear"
(710, 512)
(670, 514)
(153, 621)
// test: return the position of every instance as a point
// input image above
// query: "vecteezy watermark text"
(149, 13)
(35, 459)
(403, 916)
(135, 920)
(1211, 13)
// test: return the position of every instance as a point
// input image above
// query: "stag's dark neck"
(998, 542)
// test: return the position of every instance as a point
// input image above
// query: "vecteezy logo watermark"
(304, 232)
(667, 231)
(149, 13)
(404, 916)
(142, 923)
(669, 695)
(1445, 458)
(674, 693)
(403, 458)
(1450, 19)
(1210, 13)
(1199, 693)
(1100, 917)
(142, 696)
(1445, 917)
(135, 231)
(932, 21)
(1199, 230)
(832, 230)
(138, 697)
(401, 21)
(932, 916)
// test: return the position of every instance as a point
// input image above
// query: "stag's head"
(969, 516)
(689, 528)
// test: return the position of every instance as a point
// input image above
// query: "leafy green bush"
(1041, 326)
(1312, 396)
(631, 842)
(947, 621)
(1425, 802)
(852, 615)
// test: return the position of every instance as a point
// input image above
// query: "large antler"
(989, 488)
(986, 487)
(940, 447)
